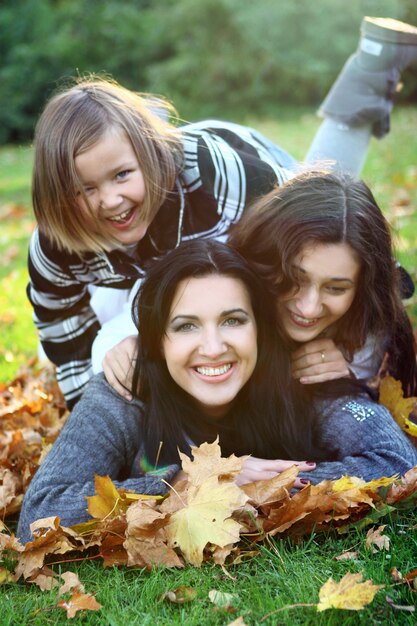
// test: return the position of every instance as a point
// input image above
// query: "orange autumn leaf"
(391, 395)
(79, 602)
(350, 593)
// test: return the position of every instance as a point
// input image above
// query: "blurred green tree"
(224, 58)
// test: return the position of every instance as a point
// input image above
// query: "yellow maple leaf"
(207, 461)
(108, 501)
(349, 593)
(206, 518)
(391, 395)
(353, 482)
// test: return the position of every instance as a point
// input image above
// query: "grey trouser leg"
(339, 146)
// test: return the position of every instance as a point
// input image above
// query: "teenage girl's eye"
(337, 290)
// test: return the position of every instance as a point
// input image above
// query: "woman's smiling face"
(210, 344)
(327, 277)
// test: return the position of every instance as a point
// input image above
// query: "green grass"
(280, 576)
(283, 574)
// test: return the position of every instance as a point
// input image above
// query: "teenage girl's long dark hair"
(327, 208)
(265, 419)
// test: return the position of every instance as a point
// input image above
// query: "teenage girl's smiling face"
(113, 183)
(327, 276)
(210, 342)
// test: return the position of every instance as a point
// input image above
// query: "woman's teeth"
(121, 217)
(304, 320)
(213, 371)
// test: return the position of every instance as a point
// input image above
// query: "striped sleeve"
(65, 321)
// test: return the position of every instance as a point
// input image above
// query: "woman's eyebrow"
(225, 313)
(344, 279)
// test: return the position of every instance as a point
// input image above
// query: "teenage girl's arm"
(364, 439)
(320, 360)
(102, 436)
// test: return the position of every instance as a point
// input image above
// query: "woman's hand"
(317, 361)
(118, 366)
(255, 469)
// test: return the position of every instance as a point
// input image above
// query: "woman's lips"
(303, 322)
(214, 373)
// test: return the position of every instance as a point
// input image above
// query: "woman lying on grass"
(210, 363)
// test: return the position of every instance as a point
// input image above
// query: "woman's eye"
(337, 290)
(184, 328)
(232, 321)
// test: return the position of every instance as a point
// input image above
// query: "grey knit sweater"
(103, 436)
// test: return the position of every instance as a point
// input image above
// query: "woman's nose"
(308, 302)
(212, 344)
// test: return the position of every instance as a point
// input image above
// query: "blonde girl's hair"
(73, 121)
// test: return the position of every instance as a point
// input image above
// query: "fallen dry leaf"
(376, 538)
(79, 602)
(349, 593)
(71, 582)
(180, 595)
(206, 518)
(222, 599)
(346, 556)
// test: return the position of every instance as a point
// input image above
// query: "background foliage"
(225, 58)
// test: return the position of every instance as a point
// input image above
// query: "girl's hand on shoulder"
(317, 361)
(118, 366)
(255, 469)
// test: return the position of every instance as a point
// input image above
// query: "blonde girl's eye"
(123, 174)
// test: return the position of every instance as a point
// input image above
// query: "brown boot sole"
(389, 30)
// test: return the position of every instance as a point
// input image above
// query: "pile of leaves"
(205, 518)
(32, 412)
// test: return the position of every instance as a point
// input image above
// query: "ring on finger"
(322, 357)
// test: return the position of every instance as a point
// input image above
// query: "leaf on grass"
(79, 602)
(180, 595)
(45, 579)
(206, 518)
(222, 599)
(346, 556)
(403, 493)
(349, 593)
(71, 582)
(376, 538)
(391, 395)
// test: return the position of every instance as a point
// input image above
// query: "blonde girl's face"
(327, 277)
(113, 182)
(210, 344)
